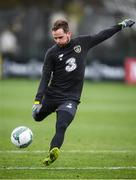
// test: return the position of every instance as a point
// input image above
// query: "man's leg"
(64, 119)
(65, 115)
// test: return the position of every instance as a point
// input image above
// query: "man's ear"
(69, 33)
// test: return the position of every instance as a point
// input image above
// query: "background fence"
(25, 33)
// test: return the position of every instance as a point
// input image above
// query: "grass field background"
(100, 143)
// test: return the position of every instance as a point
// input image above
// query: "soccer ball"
(21, 136)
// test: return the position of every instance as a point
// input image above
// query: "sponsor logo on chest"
(60, 57)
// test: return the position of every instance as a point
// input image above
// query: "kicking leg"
(43, 111)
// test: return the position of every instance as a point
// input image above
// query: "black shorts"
(48, 107)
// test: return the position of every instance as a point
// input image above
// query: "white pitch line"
(70, 168)
(70, 151)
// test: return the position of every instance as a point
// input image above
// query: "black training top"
(64, 67)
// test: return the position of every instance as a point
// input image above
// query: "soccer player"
(62, 78)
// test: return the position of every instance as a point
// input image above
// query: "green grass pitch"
(99, 144)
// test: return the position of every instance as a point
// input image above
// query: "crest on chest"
(77, 48)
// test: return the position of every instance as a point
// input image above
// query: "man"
(62, 78)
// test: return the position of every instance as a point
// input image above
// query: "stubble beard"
(63, 45)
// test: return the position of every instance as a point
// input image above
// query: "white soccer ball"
(21, 136)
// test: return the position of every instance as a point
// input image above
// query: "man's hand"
(127, 23)
(36, 107)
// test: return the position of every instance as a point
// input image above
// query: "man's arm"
(46, 75)
(91, 41)
(105, 34)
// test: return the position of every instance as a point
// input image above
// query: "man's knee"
(63, 125)
(37, 117)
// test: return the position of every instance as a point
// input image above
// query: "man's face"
(60, 37)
